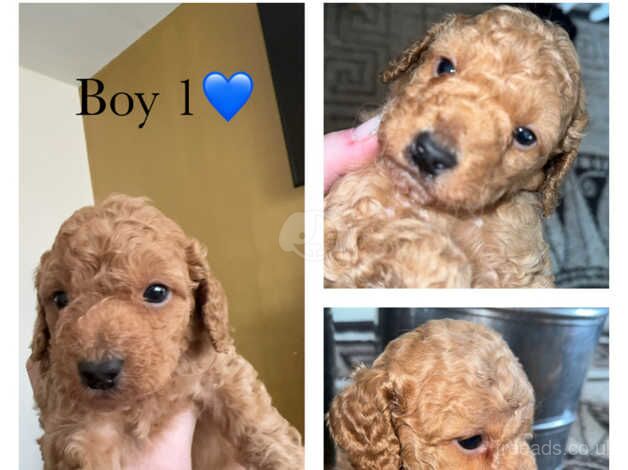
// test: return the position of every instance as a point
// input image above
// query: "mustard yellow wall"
(227, 184)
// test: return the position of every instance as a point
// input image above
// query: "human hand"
(32, 369)
(172, 447)
(350, 149)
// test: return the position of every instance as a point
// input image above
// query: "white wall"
(70, 40)
(54, 182)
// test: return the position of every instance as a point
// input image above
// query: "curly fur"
(444, 381)
(478, 224)
(175, 355)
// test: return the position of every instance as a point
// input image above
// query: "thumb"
(350, 149)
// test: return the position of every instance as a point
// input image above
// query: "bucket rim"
(551, 315)
(555, 422)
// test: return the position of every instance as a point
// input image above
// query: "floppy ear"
(38, 363)
(41, 338)
(209, 298)
(41, 333)
(560, 164)
(360, 421)
(412, 54)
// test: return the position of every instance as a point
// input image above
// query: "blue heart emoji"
(228, 96)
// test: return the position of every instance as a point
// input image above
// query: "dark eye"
(445, 66)
(524, 136)
(60, 299)
(471, 443)
(156, 294)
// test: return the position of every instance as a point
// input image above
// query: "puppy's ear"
(360, 421)
(209, 297)
(412, 54)
(41, 337)
(560, 164)
(41, 332)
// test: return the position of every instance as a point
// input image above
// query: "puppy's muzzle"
(100, 375)
(431, 157)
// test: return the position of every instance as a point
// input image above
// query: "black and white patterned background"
(360, 39)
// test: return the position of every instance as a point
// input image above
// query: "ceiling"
(68, 41)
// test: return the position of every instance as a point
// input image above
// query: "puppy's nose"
(100, 375)
(431, 157)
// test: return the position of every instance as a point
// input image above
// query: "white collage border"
(316, 298)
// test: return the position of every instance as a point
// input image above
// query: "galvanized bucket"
(554, 345)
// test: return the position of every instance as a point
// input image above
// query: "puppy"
(483, 122)
(448, 395)
(132, 327)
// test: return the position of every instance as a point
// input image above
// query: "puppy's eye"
(156, 294)
(471, 443)
(60, 299)
(524, 136)
(445, 66)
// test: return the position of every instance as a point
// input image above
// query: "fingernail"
(366, 129)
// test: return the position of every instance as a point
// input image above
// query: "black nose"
(431, 157)
(100, 375)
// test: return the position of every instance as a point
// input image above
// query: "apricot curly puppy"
(448, 395)
(132, 327)
(483, 122)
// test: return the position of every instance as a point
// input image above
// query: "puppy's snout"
(100, 375)
(430, 156)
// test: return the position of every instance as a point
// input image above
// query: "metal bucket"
(554, 345)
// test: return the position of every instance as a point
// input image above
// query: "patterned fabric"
(361, 39)
(590, 431)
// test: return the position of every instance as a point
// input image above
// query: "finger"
(367, 128)
(350, 149)
(32, 368)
